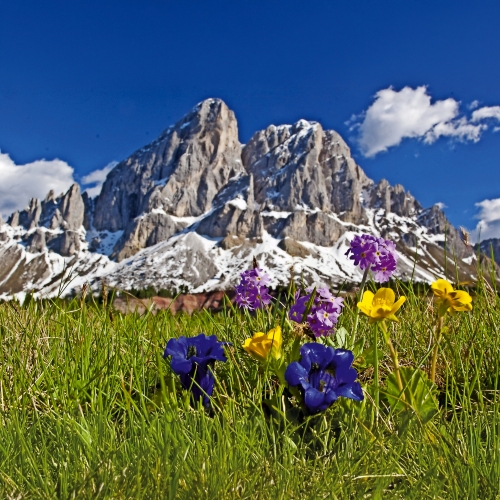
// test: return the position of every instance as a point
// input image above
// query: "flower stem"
(356, 318)
(439, 329)
(394, 356)
(375, 370)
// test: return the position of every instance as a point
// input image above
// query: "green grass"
(90, 409)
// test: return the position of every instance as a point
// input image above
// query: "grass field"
(90, 409)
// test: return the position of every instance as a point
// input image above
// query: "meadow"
(89, 408)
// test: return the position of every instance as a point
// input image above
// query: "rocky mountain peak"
(435, 220)
(66, 211)
(194, 207)
(302, 165)
(393, 199)
(176, 176)
(179, 173)
(491, 248)
(50, 196)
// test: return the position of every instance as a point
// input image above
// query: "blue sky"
(90, 82)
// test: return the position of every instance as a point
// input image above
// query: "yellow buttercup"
(261, 345)
(381, 305)
(450, 300)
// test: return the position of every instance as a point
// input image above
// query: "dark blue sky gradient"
(90, 82)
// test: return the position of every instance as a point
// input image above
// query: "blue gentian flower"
(322, 375)
(193, 359)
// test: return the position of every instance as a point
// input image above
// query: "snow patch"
(239, 203)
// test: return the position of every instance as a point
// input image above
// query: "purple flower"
(364, 255)
(299, 308)
(384, 269)
(323, 293)
(193, 359)
(252, 291)
(322, 375)
(324, 316)
(324, 312)
(257, 277)
(378, 254)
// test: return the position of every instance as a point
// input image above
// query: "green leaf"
(341, 337)
(366, 358)
(419, 392)
(358, 347)
(295, 351)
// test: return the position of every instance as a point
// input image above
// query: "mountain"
(195, 206)
(490, 245)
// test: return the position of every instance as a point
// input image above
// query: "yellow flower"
(381, 305)
(450, 300)
(263, 344)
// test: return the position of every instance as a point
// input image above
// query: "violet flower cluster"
(322, 375)
(377, 254)
(252, 292)
(193, 359)
(324, 313)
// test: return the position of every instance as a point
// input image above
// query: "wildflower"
(384, 270)
(381, 305)
(252, 292)
(323, 374)
(450, 300)
(299, 308)
(193, 359)
(324, 313)
(363, 251)
(261, 345)
(377, 254)
(257, 277)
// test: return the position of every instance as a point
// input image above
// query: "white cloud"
(459, 128)
(409, 113)
(20, 183)
(97, 177)
(396, 115)
(441, 205)
(486, 112)
(489, 220)
(473, 104)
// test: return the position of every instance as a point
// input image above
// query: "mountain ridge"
(193, 207)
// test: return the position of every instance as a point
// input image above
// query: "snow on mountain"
(194, 207)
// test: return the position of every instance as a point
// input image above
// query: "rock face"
(303, 165)
(234, 213)
(178, 175)
(194, 207)
(393, 199)
(146, 231)
(436, 222)
(490, 245)
(42, 245)
(297, 181)
(64, 212)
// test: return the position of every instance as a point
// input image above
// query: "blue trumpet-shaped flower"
(193, 359)
(322, 375)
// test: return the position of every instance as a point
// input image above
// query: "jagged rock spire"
(179, 173)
